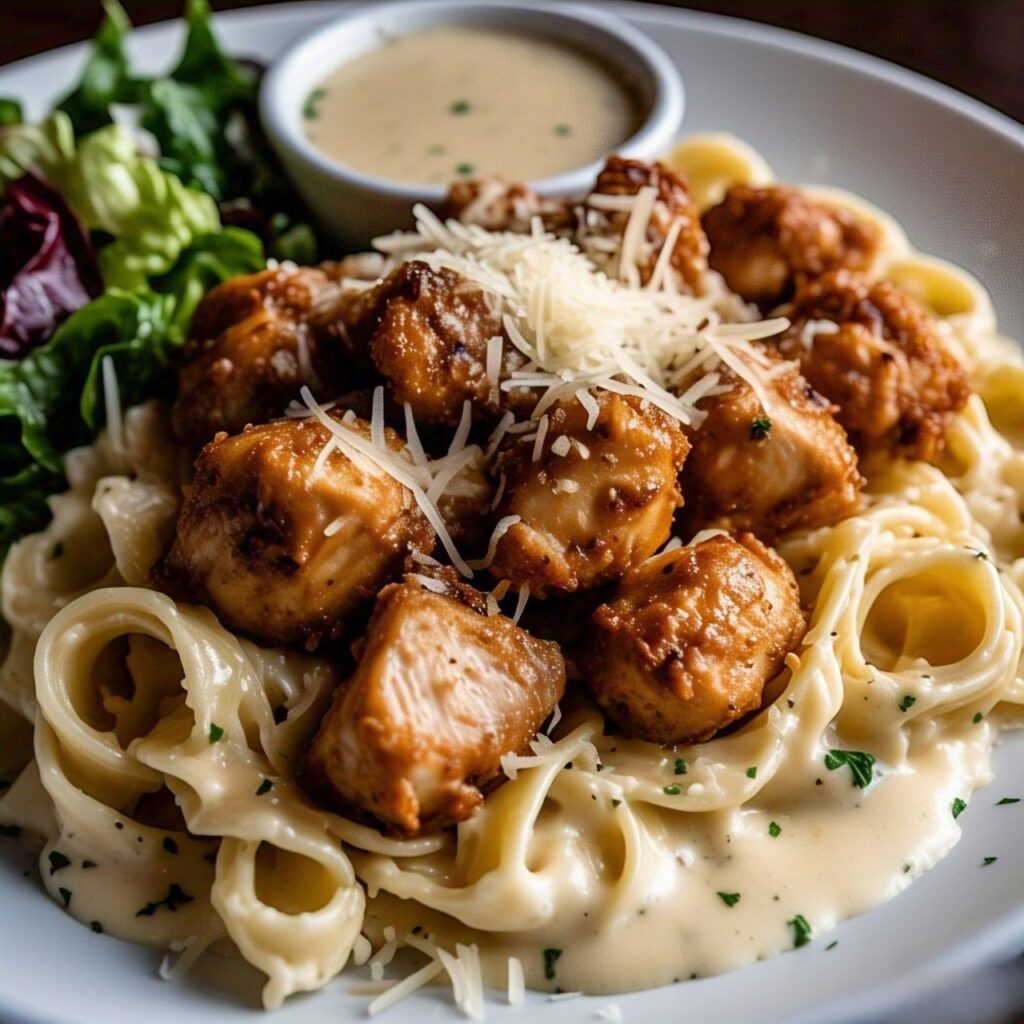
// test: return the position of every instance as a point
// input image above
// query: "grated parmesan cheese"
(112, 402)
(500, 529)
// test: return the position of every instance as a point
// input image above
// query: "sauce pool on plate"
(461, 101)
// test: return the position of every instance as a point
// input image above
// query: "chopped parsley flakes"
(550, 958)
(977, 718)
(988, 860)
(1008, 800)
(752, 772)
(65, 895)
(464, 168)
(802, 930)
(907, 702)
(96, 927)
(730, 899)
(859, 763)
(176, 897)
(563, 130)
(459, 107)
(958, 807)
(672, 790)
(57, 861)
(265, 787)
(680, 766)
(311, 108)
(760, 428)
(216, 732)
(774, 829)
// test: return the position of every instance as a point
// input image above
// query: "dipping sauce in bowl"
(471, 101)
(388, 104)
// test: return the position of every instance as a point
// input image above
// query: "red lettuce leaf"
(47, 265)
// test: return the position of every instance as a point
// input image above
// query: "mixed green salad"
(118, 212)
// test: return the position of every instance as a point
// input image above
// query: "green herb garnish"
(65, 895)
(730, 899)
(265, 787)
(958, 807)
(752, 772)
(760, 428)
(176, 897)
(57, 861)
(832, 945)
(977, 718)
(311, 108)
(1008, 800)
(672, 790)
(801, 930)
(681, 768)
(550, 958)
(459, 107)
(988, 860)
(774, 829)
(464, 168)
(96, 927)
(563, 130)
(859, 763)
(216, 732)
(907, 702)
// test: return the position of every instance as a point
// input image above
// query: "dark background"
(976, 46)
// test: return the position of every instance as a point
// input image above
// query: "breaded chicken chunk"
(442, 690)
(766, 241)
(598, 223)
(896, 386)
(429, 333)
(499, 206)
(675, 214)
(596, 501)
(285, 550)
(769, 470)
(691, 637)
(253, 342)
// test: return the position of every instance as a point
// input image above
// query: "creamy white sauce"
(461, 101)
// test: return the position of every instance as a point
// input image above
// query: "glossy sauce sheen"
(470, 102)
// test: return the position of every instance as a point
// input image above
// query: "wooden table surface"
(976, 46)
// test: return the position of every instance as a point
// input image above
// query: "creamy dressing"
(461, 101)
(838, 852)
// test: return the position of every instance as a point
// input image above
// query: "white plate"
(950, 169)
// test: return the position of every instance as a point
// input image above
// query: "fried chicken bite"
(254, 341)
(441, 691)
(596, 501)
(769, 471)
(690, 639)
(499, 206)
(281, 548)
(672, 206)
(429, 333)
(874, 352)
(765, 241)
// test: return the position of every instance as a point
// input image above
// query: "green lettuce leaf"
(107, 77)
(51, 400)
(147, 212)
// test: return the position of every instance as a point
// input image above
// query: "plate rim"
(992, 940)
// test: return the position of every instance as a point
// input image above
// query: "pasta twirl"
(603, 863)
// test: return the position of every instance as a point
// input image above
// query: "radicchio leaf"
(47, 265)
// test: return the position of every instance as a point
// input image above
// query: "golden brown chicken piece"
(691, 637)
(428, 332)
(596, 502)
(282, 550)
(766, 241)
(498, 206)
(442, 690)
(896, 386)
(254, 341)
(673, 205)
(773, 470)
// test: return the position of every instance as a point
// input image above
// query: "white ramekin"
(354, 206)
